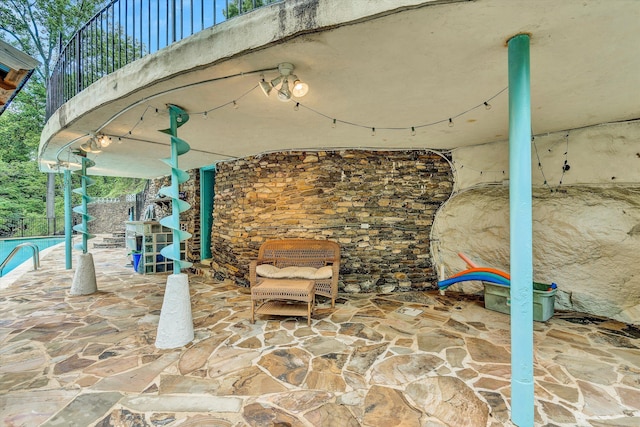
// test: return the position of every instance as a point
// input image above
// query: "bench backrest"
(299, 252)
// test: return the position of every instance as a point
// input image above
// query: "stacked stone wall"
(378, 205)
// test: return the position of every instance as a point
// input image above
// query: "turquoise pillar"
(68, 223)
(522, 403)
(207, 181)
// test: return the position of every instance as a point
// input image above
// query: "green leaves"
(22, 123)
(247, 5)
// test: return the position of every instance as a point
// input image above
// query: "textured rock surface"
(450, 400)
(378, 206)
(584, 239)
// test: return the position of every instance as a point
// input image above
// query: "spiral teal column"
(177, 117)
(175, 327)
(83, 227)
(84, 279)
(68, 220)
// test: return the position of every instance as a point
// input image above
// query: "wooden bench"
(317, 260)
(283, 297)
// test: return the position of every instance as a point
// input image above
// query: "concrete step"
(113, 240)
(107, 245)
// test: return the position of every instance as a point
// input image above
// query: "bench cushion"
(273, 272)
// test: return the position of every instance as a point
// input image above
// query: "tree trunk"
(51, 194)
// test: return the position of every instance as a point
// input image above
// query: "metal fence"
(127, 30)
(31, 227)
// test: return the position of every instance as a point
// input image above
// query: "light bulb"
(284, 94)
(297, 106)
(487, 106)
(450, 123)
(235, 105)
(104, 141)
(300, 88)
(373, 131)
(333, 124)
(205, 115)
(413, 131)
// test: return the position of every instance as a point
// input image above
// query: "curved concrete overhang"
(389, 65)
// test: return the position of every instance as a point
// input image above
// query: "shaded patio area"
(410, 359)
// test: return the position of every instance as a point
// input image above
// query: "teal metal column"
(522, 403)
(68, 223)
(207, 182)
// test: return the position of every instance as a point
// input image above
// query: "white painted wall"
(602, 155)
(586, 232)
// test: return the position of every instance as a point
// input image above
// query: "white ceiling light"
(285, 91)
(266, 87)
(91, 146)
(95, 144)
(104, 141)
(300, 88)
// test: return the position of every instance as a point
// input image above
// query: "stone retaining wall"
(378, 205)
(109, 216)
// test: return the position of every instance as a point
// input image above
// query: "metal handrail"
(36, 255)
(127, 30)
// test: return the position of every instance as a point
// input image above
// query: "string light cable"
(234, 102)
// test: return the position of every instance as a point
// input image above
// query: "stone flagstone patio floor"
(405, 359)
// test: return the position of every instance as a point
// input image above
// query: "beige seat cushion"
(273, 272)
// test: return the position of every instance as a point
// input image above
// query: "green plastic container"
(498, 298)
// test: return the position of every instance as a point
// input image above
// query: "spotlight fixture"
(300, 88)
(91, 146)
(95, 143)
(285, 91)
(266, 87)
(284, 94)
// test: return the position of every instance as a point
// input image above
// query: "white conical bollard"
(84, 279)
(175, 328)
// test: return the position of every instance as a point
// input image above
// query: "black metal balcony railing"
(127, 30)
(31, 227)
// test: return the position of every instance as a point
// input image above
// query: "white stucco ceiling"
(387, 68)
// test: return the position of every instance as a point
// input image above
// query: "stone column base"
(175, 328)
(84, 279)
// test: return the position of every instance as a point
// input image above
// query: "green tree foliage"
(20, 125)
(108, 186)
(21, 188)
(37, 27)
(247, 5)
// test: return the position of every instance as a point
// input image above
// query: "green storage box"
(498, 298)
